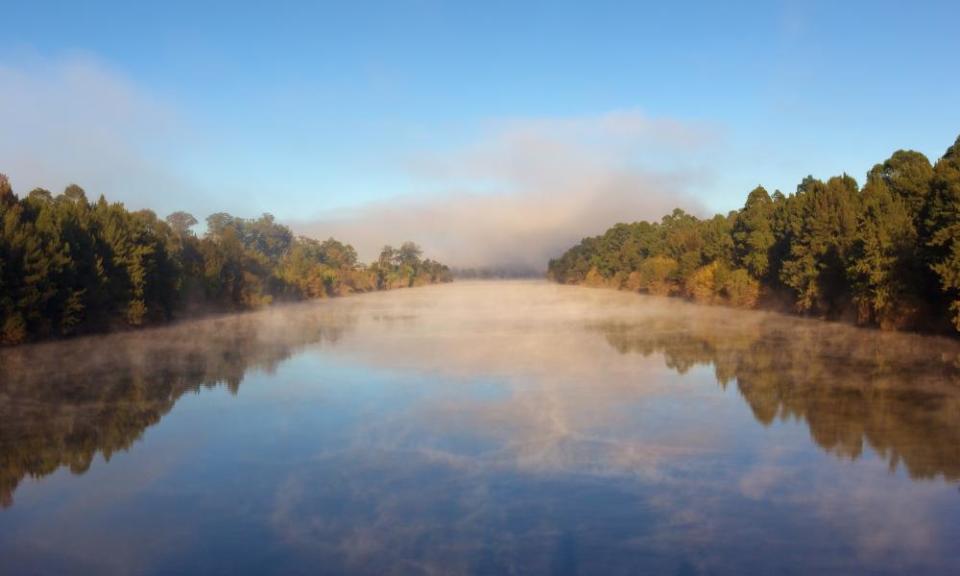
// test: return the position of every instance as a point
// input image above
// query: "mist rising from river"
(354, 428)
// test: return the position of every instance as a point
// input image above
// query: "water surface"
(489, 427)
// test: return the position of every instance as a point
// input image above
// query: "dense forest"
(69, 266)
(886, 254)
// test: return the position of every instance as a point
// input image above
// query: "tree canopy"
(885, 254)
(69, 266)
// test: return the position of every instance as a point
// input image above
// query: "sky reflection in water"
(510, 427)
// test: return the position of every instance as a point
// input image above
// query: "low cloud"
(528, 189)
(73, 119)
(519, 194)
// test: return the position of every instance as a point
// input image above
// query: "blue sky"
(312, 109)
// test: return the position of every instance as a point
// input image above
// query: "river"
(483, 428)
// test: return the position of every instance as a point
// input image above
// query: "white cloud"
(521, 193)
(545, 183)
(74, 120)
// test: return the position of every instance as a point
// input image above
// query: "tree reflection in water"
(898, 394)
(63, 403)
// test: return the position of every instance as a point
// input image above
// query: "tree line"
(885, 254)
(69, 266)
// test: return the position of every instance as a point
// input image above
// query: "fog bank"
(528, 189)
(75, 120)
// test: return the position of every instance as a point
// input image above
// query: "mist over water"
(486, 427)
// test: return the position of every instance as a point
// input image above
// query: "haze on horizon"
(493, 135)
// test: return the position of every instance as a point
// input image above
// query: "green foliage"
(942, 223)
(907, 174)
(6, 193)
(821, 223)
(718, 242)
(887, 255)
(68, 266)
(181, 222)
(401, 268)
(753, 233)
(658, 275)
(884, 255)
(739, 288)
(717, 283)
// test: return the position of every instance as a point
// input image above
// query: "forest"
(69, 266)
(886, 254)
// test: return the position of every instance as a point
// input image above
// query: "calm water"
(499, 427)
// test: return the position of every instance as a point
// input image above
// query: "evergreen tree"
(821, 223)
(883, 253)
(907, 174)
(68, 266)
(888, 254)
(942, 224)
(753, 233)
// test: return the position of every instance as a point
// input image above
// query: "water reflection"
(61, 404)
(898, 394)
(484, 428)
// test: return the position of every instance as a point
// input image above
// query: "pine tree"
(942, 225)
(753, 233)
(882, 254)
